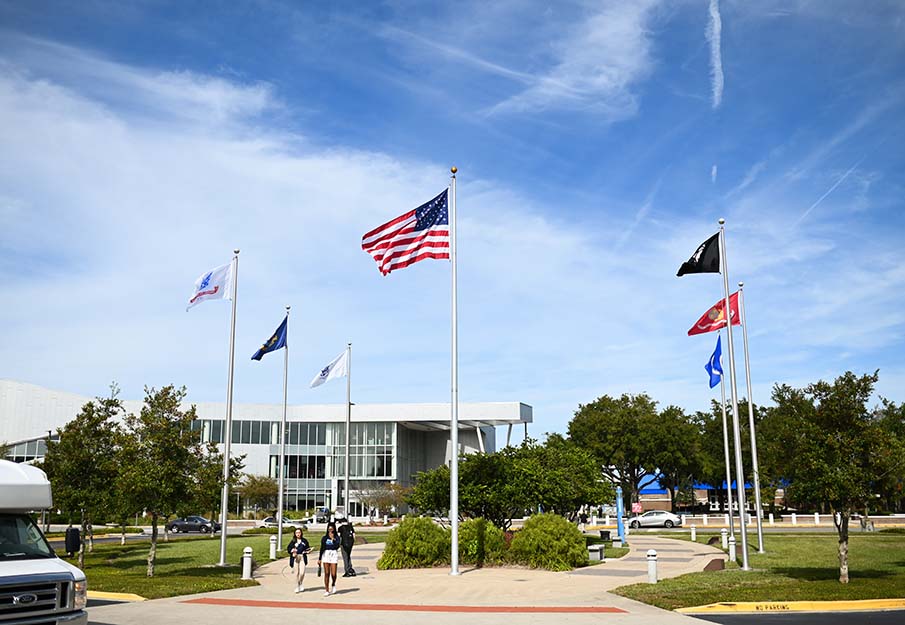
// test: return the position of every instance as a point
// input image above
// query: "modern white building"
(389, 442)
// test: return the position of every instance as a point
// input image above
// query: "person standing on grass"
(346, 541)
(329, 557)
(298, 557)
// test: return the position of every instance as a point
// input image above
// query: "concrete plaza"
(494, 595)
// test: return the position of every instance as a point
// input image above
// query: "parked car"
(271, 521)
(193, 524)
(655, 518)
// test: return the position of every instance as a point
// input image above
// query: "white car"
(655, 518)
(271, 521)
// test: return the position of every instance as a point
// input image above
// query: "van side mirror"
(73, 540)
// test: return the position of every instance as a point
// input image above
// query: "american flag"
(416, 235)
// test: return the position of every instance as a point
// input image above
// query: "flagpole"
(726, 455)
(757, 513)
(283, 437)
(348, 426)
(739, 470)
(227, 437)
(454, 398)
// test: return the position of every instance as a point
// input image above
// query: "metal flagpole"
(228, 435)
(454, 416)
(739, 470)
(757, 512)
(348, 426)
(726, 455)
(283, 438)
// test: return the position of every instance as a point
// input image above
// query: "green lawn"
(182, 567)
(796, 567)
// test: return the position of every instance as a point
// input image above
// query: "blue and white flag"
(214, 284)
(714, 367)
(338, 368)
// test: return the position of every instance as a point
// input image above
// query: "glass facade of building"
(314, 464)
(26, 452)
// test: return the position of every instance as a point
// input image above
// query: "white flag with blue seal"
(338, 368)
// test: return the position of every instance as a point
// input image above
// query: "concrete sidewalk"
(501, 595)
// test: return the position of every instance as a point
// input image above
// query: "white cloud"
(714, 34)
(713, 174)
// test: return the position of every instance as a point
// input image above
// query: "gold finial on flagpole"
(453, 169)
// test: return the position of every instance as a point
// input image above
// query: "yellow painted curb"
(114, 596)
(798, 606)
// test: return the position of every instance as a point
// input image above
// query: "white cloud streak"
(714, 35)
(713, 174)
(828, 191)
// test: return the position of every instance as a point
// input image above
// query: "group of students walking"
(335, 539)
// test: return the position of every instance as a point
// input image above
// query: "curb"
(797, 606)
(114, 596)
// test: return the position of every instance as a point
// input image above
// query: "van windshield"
(21, 539)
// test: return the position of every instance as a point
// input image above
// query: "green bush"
(416, 542)
(287, 529)
(548, 541)
(481, 542)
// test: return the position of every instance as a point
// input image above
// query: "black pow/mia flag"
(706, 259)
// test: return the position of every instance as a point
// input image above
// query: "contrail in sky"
(714, 29)
(830, 190)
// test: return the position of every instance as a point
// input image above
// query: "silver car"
(655, 518)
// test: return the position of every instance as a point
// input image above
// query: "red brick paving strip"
(389, 607)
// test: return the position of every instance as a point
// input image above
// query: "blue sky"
(597, 144)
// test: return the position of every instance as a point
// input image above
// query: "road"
(880, 617)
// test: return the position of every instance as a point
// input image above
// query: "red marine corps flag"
(715, 318)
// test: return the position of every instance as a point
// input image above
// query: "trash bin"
(73, 540)
(605, 534)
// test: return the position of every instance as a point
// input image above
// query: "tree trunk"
(152, 554)
(841, 522)
(122, 538)
(84, 528)
(90, 536)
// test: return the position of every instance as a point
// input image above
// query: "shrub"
(481, 542)
(548, 541)
(414, 543)
(287, 529)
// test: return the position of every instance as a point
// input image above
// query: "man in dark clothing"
(346, 541)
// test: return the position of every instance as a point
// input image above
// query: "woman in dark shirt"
(329, 556)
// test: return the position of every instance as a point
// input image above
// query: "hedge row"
(547, 541)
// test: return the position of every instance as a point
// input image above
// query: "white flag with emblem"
(214, 284)
(336, 369)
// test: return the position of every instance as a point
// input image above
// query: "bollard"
(723, 534)
(771, 518)
(816, 518)
(705, 519)
(732, 548)
(794, 519)
(651, 566)
(606, 520)
(725, 519)
(273, 547)
(594, 520)
(684, 519)
(617, 543)
(246, 562)
(694, 534)
(384, 519)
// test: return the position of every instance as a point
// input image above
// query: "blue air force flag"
(338, 368)
(714, 367)
(275, 342)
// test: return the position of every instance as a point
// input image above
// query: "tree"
(81, 464)
(621, 434)
(678, 452)
(557, 477)
(208, 481)
(836, 449)
(260, 491)
(161, 457)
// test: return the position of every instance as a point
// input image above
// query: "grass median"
(795, 567)
(183, 566)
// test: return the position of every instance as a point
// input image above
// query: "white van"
(36, 587)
